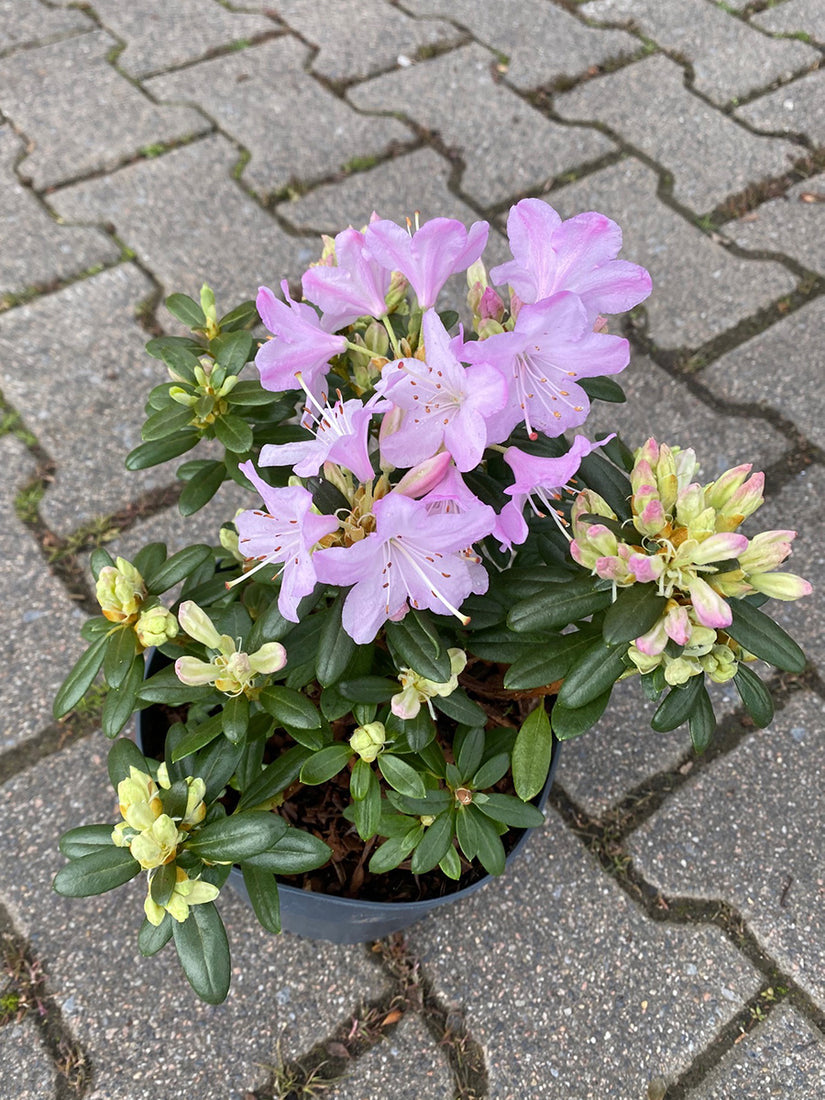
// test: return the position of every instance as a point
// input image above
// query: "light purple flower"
(355, 288)
(549, 348)
(412, 559)
(551, 255)
(301, 346)
(286, 532)
(444, 403)
(428, 257)
(341, 436)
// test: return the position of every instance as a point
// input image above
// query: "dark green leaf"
(151, 938)
(489, 849)
(166, 422)
(532, 753)
(547, 661)
(395, 851)
(491, 771)
(198, 737)
(603, 389)
(360, 780)
(85, 839)
(451, 864)
(595, 672)
(702, 722)
(414, 643)
(237, 837)
(178, 352)
(290, 708)
(186, 309)
(96, 872)
(295, 853)
(120, 703)
(165, 687)
(123, 755)
(236, 718)
(633, 613)
(200, 489)
(121, 649)
(325, 763)
(150, 557)
(611, 484)
(162, 882)
(369, 689)
(466, 832)
(232, 350)
(244, 314)
(470, 754)
(764, 638)
(501, 644)
(79, 680)
(677, 705)
(569, 722)
(234, 433)
(203, 950)
(249, 394)
(432, 847)
(152, 454)
(263, 894)
(99, 559)
(754, 695)
(275, 777)
(511, 811)
(216, 765)
(335, 646)
(178, 567)
(401, 776)
(461, 709)
(557, 608)
(367, 811)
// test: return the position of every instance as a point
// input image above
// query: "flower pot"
(326, 916)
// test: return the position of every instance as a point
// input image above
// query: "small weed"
(150, 151)
(360, 164)
(292, 1081)
(27, 501)
(243, 159)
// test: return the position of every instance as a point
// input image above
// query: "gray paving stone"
(36, 249)
(91, 418)
(782, 1057)
(39, 624)
(569, 987)
(263, 98)
(709, 156)
(161, 36)
(792, 384)
(747, 831)
(540, 41)
(25, 22)
(797, 108)
(27, 1072)
(730, 59)
(41, 89)
(147, 1035)
(699, 288)
(792, 224)
(355, 39)
(190, 223)
(794, 17)
(408, 1065)
(515, 150)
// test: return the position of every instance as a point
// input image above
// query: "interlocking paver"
(25, 22)
(597, 998)
(708, 154)
(355, 40)
(27, 1072)
(699, 288)
(190, 222)
(748, 831)
(39, 624)
(239, 92)
(729, 59)
(794, 17)
(161, 36)
(792, 224)
(407, 1065)
(36, 249)
(792, 387)
(71, 104)
(514, 150)
(91, 374)
(147, 1035)
(783, 1057)
(796, 108)
(540, 41)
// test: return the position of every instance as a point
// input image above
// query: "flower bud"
(155, 626)
(120, 591)
(367, 741)
(397, 292)
(425, 476)
(376, 340)
(198, 625)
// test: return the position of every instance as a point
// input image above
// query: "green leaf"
(677, 705)
(120, 703)
(401, 776)
(556, 608)
(291, 708)
(466, 832)
(295, 853)
(263, 893)
(198, 738)
(237, 837)
(511, 811)
(122, 755)
(186, 309)
(369, 689)
(161, 450)
(249, 393)
(200, 489)
(414, 643)
(754, 695)
(335, 646)
(236, 718)
(460, 708)
(96, 872)
(121, 650)
(367, 811)
(547, 661)
(360, 780)
(569, 722)
(162, 882)
(79, 680)
(395, 851)
(603, 389)
(634, 612)
(532, 753)
(178, 352)
(489, 849)
(594, 672)
(433, 846)
(501, 644)
(178, 567)
(85, 839)
(611, 484)
(164, 687)
(98, 560)
(491, 771)
(203, 950)
(764, 638)
(234, 433)
(166, 422)
(451, 864)
(325, 763)
(275, 777)
(150, 557)
(470, 754)
(244, 314)
(232, 350)
(702, 722)
(151, 938)
(216, 765)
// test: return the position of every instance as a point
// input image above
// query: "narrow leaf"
(593, 673)
(754, 695)
(569, 722)
(677, 705)
(178, 567)
(79, 680)
(203, 950)
(531, 754)
(401, 776)
(325, 763)
(96, 872)
(263, 893)
(764, 638)
(633, 613)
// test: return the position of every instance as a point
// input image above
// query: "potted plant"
(362, 684)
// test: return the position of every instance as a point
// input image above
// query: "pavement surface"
(664, 935)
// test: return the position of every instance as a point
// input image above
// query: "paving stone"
(90, 419)
(783, 1057)
(797, 108)
(147, 1035)
(27, 1072)
(42, 89)
(516, 150)
(161, 36)
(792, 224)
(36, 616)
(569, 987)
(263, 97)
(792, 385)
(36, 249)
(541, 42)
(189, 222)
(709, 156)
(25, 22)
(699, 288)
(357, 39)
(747, 831)
(408, 1065)
(794, 17)
(729, 59)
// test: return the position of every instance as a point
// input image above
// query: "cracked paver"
(796, 108)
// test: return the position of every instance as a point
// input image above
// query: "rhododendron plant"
(436, 574)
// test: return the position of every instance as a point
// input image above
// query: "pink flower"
(341, 436)
(355, 288)
(301, 346)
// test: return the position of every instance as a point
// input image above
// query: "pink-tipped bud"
(424, 477)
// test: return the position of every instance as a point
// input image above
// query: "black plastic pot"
(349, 920)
